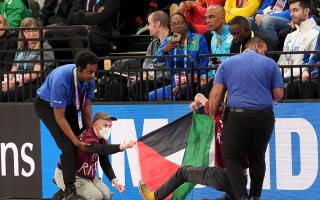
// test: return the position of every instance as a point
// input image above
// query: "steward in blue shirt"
(253, 82)
(64, 104)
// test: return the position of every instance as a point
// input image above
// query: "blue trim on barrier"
(307, 113)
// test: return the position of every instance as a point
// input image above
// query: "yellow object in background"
(245, 8)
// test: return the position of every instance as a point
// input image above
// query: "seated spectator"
(308, 87)
(221, 37)
(17, 86)
(241, 32)
(181, 43)
(314, 5)
(8, 44)
(14, 12)
(158, 25)
(219, 43)
(240, 8)
(102, 19)
(56, 12)
(302, 39)
(194, 11)
(271, 18)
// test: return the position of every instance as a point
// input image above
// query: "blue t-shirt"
(249, 78)
(58, 88)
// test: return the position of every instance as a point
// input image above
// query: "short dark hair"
(239, 20)
(85, 57)
(303, 3)
(179, 14)
(189, 25)
(255, 40)
(162, 17)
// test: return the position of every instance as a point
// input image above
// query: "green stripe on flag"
(197, 149)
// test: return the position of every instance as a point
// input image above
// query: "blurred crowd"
(177, 28)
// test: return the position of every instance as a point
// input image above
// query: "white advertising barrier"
(292, 156)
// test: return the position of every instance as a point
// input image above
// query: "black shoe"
(254, 198)
(58, 195)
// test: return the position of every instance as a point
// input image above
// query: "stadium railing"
(113, 83)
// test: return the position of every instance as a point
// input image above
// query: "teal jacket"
(221, 44)
(14, 12)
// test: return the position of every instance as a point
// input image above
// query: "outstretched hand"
(131, 143)
(118, 186)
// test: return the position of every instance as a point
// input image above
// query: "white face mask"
(105, 133)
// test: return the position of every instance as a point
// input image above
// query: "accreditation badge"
(80, 120)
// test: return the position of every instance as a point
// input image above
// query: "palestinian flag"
(186, 141)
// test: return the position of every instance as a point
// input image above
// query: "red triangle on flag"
(155, 169)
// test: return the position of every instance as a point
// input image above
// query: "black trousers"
(215, 177)
(246, 132)
(68, 155)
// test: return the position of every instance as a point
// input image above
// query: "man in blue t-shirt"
(253, 82)
(64, 106)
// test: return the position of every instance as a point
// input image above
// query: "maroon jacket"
(87, 161)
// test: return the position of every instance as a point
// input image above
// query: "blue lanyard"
(185, 59)
(75, 80)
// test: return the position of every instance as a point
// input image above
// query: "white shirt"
(302, 39)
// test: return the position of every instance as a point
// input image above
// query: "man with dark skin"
(64, 105)
(241, 32)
